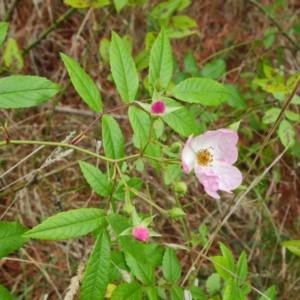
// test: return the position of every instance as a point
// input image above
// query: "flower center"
(204, 157)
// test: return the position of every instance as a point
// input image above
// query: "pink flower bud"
(140, 233)
(158, 107)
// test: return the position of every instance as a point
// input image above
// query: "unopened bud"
(140, 233)
(176, 213)
(180, 188)
(176, 147)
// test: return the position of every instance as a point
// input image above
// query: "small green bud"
(176, 213)
(128, 208)
(180, 188)
(176, 147)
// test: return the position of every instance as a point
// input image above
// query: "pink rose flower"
(211, 156)
(158, 107)
(140, 233)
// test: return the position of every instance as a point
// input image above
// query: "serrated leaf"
(11, 237)
(104, 49)
(293, 246)
(230, 290)
(152, 293)
(117, 264)
(286, 133)
(176, 292)
(83, 84)
(270, 292)
(3, 31)
(12, 56)
(19, 91)
(170, 266)
(269, 38)
(221, 265)
(68, 225)
(161, 63)
(180, 120)
(142, 271)
(242, 267)
(213, 283)
(113, 140)
(96, 179)
(201, 90)
(5, 294)
(119, 4)
(141, 124)
(214, 69)
(127, 291)
(271, 115)
(228, 256)
(190, 63)
(197, 293)
(96, 274)
(165, 9)
(292, 116)
(123, 69)
(154, 254)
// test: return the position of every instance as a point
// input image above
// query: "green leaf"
(201, 90)
(141, 124)
(135, 183)
(127, 291)
(3, 31)
(85, 4)
(161, 63)
(172, 173)
(142, 271)
(83, 84)
(221, 265)
(242, 266)
(180, 120)
(170, 266)
(286, 133)
(213, 283)
(197, 293)
(123, 69)
(292, 116)
(5, 294)
(119, 4)
(104, 49)
(176, 292)
(113, 140)
(152, 293)
(96, 274)
(271, 115)
(165, 9)
(214, 69)
(190, 63)
(68, 225)
(11, 237)
(270, 292)
(96, 179)
(269, 38)
(228, 256)
(142, 60)
(154, 254)
(181, 26)
(12, 56)
(117, 264)
(236, 99)
(293, 246)
(19, 91)
(230, 290)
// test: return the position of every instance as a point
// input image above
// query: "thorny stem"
(205, 250)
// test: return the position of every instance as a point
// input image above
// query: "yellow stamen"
(204, 157)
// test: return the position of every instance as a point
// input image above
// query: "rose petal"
(209, 180)
(188, 156)
(140, 233)
(229, 176)
(221, 143)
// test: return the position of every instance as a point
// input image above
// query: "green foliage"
(19, 91)
(68, 225)
(127, 291)
(3, 31)
(214, 69)
(83, 84)
(96, 274)
(5, 294)
(11, 237)
(123, 69)
(293, 246)
(170, 266)
(12, 56)
(86, 4)
(286, 133)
